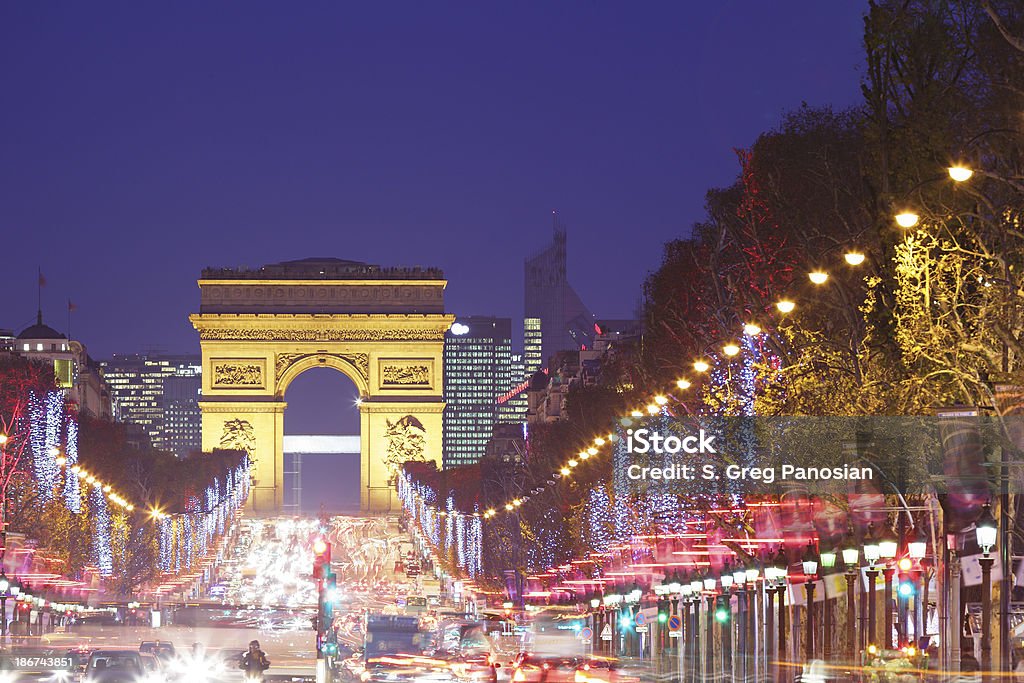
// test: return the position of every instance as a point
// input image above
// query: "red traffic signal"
(321, 557)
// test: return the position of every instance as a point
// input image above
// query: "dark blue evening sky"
(143, 141)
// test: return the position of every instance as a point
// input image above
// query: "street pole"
(872, 609)
(769, 631)
(810, 618)
(986, 615)
(887, 605)
(851, 612)
(781, 645)
(709, 646)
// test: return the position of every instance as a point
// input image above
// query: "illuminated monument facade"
(381, 327)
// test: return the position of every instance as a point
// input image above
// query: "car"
(164, 649)
(114, 666)
(531, 668)
(152, 668)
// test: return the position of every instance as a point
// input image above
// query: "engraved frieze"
(237, 374)
(405, 374)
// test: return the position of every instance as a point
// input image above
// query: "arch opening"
(321, 441)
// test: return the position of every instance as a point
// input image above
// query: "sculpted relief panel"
(238, 373)
(401, 374)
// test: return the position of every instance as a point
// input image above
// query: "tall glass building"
(565, 322)
(477, 371)
(137, 387)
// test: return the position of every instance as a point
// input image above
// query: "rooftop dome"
(40, 331)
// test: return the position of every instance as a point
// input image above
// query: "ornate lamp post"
(693, 651)
(709, 646)
(851, 559)
(986, 531)
(888, 546)
(828, 562)
(723, 615)
(753, 603)
(739, 580)
(871, 555)
(810, 567)
(5, 587)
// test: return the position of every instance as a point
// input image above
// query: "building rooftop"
(40, 331)
(322, 269)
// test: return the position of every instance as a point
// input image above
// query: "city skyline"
(226, 193)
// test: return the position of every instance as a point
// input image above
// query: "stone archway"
(382, 328)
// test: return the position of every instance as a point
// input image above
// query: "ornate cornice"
(316, 328)
(241, 407)
(400, 407)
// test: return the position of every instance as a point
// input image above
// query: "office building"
(137, 385)
(565, 323)
(477, 371)
(182, 420)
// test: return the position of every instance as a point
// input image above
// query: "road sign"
(675, 634)
(641, 629)
(606, 632)
(640, 619)
(587, 633)
(675, 623)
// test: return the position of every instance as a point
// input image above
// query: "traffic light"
(321, 558)
(330, 649)
(662, 611)
(906, 589)
(722, 613)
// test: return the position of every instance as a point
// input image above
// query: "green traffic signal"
(662, 617)
(721, 615)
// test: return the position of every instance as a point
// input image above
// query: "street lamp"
(851, 558)
(986, 530)
(828, 562)
(810, 567)
(888, 546)
(5, 586)
(871, 555)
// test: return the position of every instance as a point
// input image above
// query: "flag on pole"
(72, 307)
(42, 279)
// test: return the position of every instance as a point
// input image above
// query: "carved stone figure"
(406, 438)
(238, 435)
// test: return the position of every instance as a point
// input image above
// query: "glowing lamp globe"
(785, 306)
(918, 546)
(907, 219)
(828, 559)
(726, 581)
(751, 330)
(696, 586)
(854, 258)
(850, 557)
(709, 584)
(888, 546)
(701, 366)
(986, 530)
(960, 173)
(660, 400)
(818, 277)
(683, 384)
(730, 350)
